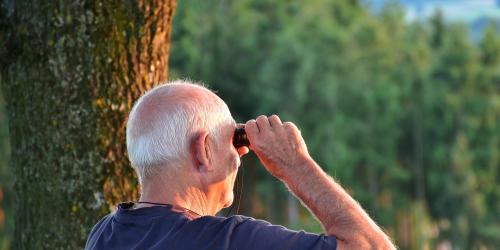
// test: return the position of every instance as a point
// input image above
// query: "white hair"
(164, 120)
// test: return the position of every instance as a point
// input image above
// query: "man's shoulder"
(210, 232)
(103, 221)
(97, 228)
(219, 223)
(260, 234)
(233, 218)
(231, 221)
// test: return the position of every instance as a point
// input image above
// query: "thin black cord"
(241, 188)
(153, 203)
(239, 191)
(168, 205)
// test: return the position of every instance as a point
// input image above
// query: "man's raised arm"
(283, 152)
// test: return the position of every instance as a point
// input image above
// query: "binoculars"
(240, 138)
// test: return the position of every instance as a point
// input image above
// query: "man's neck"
(181, 195)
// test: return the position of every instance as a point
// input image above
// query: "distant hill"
(476, 14)
(477, 27)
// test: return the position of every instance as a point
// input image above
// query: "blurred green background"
(405, 114)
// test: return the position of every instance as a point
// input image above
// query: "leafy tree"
(403, 114)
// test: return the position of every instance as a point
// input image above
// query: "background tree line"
(406, 116)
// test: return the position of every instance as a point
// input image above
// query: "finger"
(251, 128)
(243, 151)
(275, 121)
(291, 128)
(263, 123)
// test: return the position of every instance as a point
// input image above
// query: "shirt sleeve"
(258, 234)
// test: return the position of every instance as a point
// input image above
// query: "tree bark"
(70, 72)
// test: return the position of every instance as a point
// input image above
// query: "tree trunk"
(70, 72)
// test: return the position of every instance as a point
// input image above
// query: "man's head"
(180, 130)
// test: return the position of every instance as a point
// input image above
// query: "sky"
(466, 11)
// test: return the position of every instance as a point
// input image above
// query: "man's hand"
(278, 145)
(283, 152)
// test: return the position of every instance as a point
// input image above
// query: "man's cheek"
(234, 161)
(237, 161)
(236, 158)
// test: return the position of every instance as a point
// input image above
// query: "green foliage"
(405, 115)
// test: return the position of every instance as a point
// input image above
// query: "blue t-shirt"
(159, 227)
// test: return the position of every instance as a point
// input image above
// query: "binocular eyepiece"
(240, 138)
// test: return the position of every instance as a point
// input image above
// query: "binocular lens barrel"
(240, 138)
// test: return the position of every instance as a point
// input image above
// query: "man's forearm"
(341, 215)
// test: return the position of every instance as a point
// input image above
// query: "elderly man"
(180, 142)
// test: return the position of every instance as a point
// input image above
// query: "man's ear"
(200, 152)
